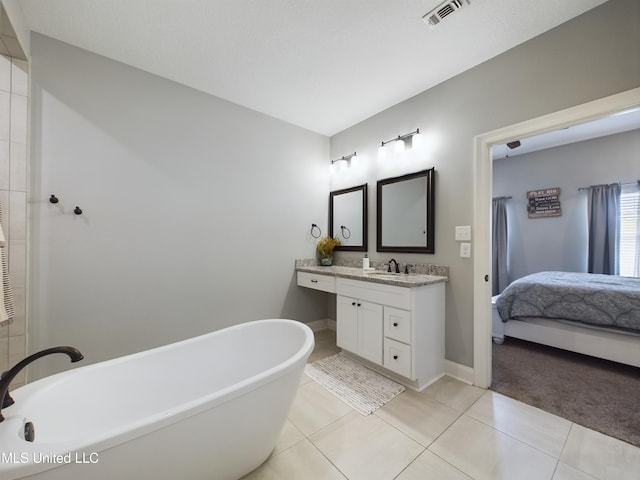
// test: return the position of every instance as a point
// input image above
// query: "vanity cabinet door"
(370, 331)
(359, 328)
(347, 323)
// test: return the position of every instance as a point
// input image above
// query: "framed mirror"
(348, 217)
(405, 213)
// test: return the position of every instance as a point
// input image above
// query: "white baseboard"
(459, 371)
(324, 324)
(453, 369)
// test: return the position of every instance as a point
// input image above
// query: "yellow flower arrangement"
(326, 245)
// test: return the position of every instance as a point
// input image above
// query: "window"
(630, 230)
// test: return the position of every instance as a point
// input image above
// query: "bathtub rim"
(162, 419)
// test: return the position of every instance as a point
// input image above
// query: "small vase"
(326, 261)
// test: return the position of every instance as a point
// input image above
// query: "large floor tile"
(305, 379)
(325, 345)
(454, 393)
(289, 436)
(366, 447)
(542, 430)
(430, 466)
(418, 416)
(601, 456)
(567, 472)
(485, 453)
(301, 461)
(314, 408)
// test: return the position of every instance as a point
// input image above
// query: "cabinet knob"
(395, 357)
(359, 304)
(314, 281)
(395, 324)
(353, 303)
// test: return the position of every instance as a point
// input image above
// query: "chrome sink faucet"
(7, 377)
(397, 266)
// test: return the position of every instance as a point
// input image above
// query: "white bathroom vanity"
(392, 323)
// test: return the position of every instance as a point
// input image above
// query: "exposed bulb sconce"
(399, 142)
(344, 161)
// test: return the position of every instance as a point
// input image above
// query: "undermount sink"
(382, 273)
(390, 275)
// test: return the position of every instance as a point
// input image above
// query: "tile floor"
(450, 431)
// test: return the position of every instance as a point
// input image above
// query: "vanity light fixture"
(344, 161)
(399, 141)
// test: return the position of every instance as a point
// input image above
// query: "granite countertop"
(378, 276)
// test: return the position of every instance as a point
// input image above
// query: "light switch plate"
(463, 233)
(465, 250)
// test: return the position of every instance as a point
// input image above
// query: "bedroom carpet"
(597, 394)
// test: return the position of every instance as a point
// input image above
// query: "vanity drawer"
(397, 357)
(397, 324)
(399, 297)
(326, 283)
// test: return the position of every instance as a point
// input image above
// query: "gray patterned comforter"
(604, 300)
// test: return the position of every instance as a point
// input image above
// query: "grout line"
(328, 459)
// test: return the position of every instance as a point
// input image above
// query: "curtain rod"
(606, 184)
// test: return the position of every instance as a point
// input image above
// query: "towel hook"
(53, 199)
(313, 227)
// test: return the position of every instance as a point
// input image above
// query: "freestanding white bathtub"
(211, 407)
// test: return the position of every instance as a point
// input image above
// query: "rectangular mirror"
(405, 213)
(348, 217)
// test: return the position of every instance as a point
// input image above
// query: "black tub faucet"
(9, 375)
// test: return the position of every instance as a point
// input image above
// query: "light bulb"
(398, 146)
(382, 151)
(416, 140)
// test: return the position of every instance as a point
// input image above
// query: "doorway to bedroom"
(541, 191)
(598, 109)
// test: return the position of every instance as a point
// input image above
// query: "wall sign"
(544, 203)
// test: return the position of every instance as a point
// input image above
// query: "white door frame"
(483, 173)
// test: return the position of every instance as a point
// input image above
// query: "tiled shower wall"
(13, 196)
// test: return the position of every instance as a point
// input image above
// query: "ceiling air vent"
(435, 16)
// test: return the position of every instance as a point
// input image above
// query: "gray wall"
(560, 243)
(194, 209)
(589, 57)
(192, 224)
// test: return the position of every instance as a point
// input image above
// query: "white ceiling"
(621, 122)
(321, 64)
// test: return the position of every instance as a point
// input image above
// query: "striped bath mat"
(357, 386)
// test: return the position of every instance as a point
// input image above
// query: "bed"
(597, 315)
